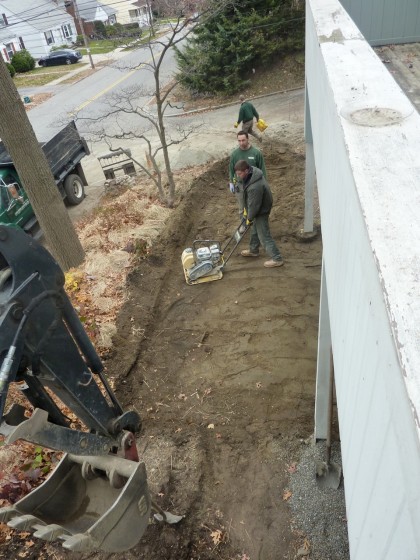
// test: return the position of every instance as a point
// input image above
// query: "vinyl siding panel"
(383, 22)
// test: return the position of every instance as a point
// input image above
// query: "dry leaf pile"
(117, 235)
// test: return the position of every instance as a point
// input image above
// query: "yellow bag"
(261, 125)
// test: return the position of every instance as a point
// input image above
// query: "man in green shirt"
(253, 156)
(247, 112)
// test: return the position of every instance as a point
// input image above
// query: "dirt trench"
(223, 375)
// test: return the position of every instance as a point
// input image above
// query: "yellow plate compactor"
(206, 259)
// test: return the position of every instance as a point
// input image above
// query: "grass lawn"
(28, 80)
(41, 76)
(165, 20)
(145, 39)
(99, 47)
(104, 46)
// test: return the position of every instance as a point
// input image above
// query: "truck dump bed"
(64, 148)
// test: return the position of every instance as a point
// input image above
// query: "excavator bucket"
(89, 502)
(97, 497)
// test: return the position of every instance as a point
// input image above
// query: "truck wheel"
(75, 190)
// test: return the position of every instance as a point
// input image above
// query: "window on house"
(21, 43)
(133, 14)
(66, 29)
(10, 49)
(112, 20)
(49, 37)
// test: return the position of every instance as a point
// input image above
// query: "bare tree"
(36, 176)
(125, 117)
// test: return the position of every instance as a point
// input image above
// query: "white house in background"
(141, 13)
(129, 11)
(90, 11)
(35, 26)
(9, 45)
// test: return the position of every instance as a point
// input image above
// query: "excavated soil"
(223, 375)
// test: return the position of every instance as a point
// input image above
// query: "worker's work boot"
(248, 253)
(272, 263)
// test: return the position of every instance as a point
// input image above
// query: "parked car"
(63, 56)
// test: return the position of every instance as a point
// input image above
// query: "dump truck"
(64, 153)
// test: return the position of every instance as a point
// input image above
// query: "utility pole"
(82, 29)
(150, 19)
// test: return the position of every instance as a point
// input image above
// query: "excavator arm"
(97, 497)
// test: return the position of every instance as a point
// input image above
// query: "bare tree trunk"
(36, 176)
(162, 134)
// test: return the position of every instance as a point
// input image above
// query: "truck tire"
(5, 274)
(74, 189)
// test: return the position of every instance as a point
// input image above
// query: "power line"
(32, 9)
(77, 13)
(39, 15)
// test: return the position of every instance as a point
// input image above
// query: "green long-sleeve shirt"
(247, 112)
(252, 155)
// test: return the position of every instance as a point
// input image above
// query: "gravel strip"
(318, 513)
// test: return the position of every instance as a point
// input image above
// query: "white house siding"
(129, 11)
(385, 22)
(101, 15)
(36, 43)
(30, 20)
(368, 179)
(122, 9)
(91, 10)
(8, 46)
